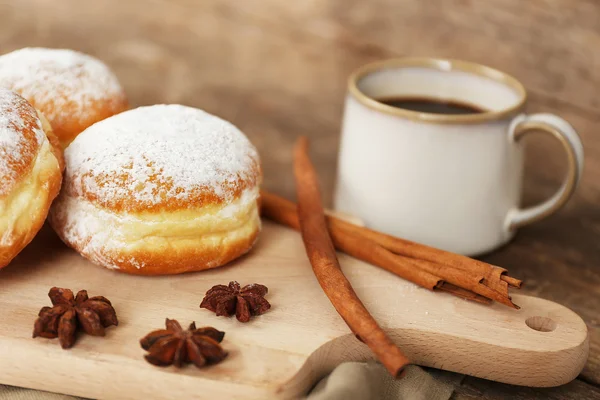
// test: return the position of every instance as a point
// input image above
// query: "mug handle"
(567, 136)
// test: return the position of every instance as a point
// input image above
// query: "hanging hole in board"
(541, 324)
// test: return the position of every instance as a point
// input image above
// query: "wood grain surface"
(283, 353)
(278, 69)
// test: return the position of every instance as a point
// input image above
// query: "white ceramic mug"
(449, 181)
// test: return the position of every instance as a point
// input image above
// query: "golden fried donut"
(164, 189)
(30, 174)
(73, 90)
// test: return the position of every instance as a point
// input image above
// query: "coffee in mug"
(432, 106)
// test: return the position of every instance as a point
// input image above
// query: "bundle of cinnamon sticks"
(426, 266)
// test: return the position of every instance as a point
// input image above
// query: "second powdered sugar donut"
(73, 90)
(163, 189)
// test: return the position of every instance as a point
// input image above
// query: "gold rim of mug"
(440, 64)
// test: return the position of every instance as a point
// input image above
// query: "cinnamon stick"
(491, 276)
(322, 256)
(406, 268)
(431, 268)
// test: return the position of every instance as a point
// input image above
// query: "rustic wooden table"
(278, 69)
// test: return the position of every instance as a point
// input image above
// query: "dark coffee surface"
(432, 106)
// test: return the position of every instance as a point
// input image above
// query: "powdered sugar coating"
(161, 157)
(21, 137)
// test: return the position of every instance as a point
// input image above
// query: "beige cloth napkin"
(17, 393)
(359, 381)
(349, 381)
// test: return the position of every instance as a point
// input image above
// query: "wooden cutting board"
(282, 353)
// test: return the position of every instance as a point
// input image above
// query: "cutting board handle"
(543, 344)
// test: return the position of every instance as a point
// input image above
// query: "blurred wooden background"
(278, 69)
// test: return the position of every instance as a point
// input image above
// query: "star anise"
(244, 302)
(90, 314)
(199, 346)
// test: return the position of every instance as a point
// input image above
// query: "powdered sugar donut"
(30, 174)
(163, 189)
(71, 89)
